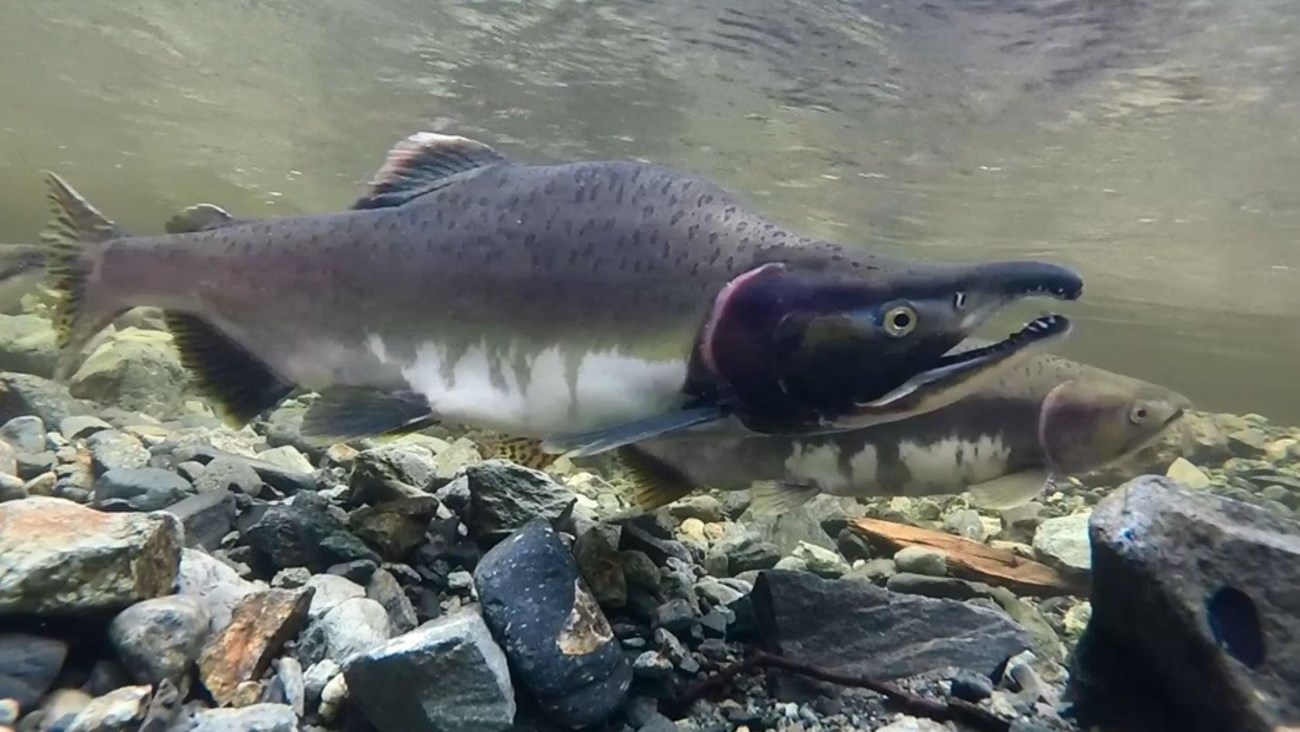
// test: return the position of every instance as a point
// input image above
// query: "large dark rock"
(559, 643)
(1195, 612)
(304, 533)
(28, 666)
(448, 674)
(857, 628)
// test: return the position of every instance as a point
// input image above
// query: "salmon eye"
(900, 321)
(1138, 415)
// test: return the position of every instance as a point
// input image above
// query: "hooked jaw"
(949, 304)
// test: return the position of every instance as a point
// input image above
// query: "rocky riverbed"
(160, 572)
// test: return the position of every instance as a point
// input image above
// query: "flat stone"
(82, 426)
(448, 674)
(59, 558)
(160, 638)
(560, 645)
(136, 370)
(821, 561)
(29, 664)
(24, 395)
(384, 589)
(330, 591)
(1191, 592)
(140, 489)
(260, 625)
(863, 629)
(354, 626)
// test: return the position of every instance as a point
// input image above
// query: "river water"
(1153, 145)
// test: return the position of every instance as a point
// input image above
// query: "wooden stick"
(973, 560)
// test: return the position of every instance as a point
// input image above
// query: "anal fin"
(776, 497)
(598, 441)
(241, 385)
(346, 413)
(1011, 490)
(655, 483)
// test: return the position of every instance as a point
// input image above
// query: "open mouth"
(958, 368)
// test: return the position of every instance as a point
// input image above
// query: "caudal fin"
(75, 224)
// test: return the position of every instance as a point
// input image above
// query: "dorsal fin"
(199, 217)
(421, 163)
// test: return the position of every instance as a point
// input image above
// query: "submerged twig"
(954, 710)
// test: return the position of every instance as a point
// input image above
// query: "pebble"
(330, 591)
(120, 710)
(966, 523)
(1183, 471)
(921, 560)
(704, 508)
(77, 427)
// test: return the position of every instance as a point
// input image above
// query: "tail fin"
(75, 224)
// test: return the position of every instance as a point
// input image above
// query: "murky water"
(1154, 145)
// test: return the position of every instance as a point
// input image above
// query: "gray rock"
(160, 638)
(866, 630)
(454, 459)
(706, 508)
(354, 626)
(120, 710)
(747, 552)
(448, 674)
(207, 517)
(291, 578)
(385, 590)
(253, 718)
(213, 584)
(139, 489)
(639, 569)
(388, 472)
(12, 488)
(229, 474)
(1248, 443)
(30, 395)
(505, 496)
(721, 594)
(1190, 593)
(63, 559)
(137, 370)
(788, 530)
(921, 560)
(28, 666)
(331, 591)
(26, 434)
(110, 449)
(943, 587)
(1063, 542)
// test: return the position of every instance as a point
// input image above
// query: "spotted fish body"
(1046, 418)
(524, 299)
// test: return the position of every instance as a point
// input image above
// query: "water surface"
(1153, 145)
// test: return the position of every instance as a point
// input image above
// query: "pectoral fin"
(598, 441)
(347, 413)
(1010, 490)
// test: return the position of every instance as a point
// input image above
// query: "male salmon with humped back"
(592, 304)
